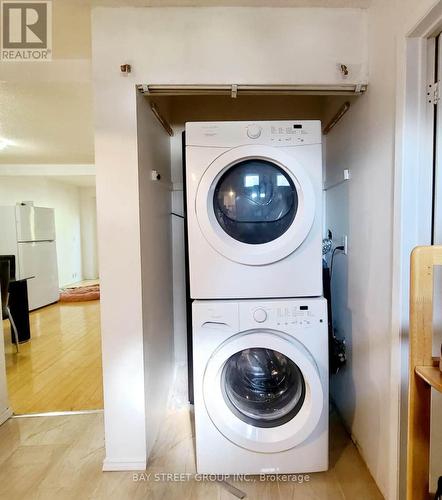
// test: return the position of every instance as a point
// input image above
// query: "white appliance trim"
(271, 439)
(245, 253)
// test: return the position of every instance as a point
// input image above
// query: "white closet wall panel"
(156, 265)
(118, 217)
(134, 229)
(237, 45)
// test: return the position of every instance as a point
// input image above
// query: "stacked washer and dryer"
(260, 341)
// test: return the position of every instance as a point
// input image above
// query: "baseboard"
(122, 465)
(5, 415)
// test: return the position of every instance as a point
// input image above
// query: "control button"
(253, 131)
(260, 315)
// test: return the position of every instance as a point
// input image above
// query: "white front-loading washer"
(261, 386)
(254, 208)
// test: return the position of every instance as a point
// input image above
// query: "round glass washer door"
(263, 387)
(262, 391)
(255, 204)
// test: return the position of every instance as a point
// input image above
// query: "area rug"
(80, 293)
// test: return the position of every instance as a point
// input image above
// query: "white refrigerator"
(28, 232)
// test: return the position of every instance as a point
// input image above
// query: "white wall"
(89, 244)
(116, 159)
(156, 265)
(205, 45)
(135, 260)
(65, 199)
(363, 209)
(237, 45)
(413, 197)
(366, 391)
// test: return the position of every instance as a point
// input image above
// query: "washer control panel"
(296, 315)
(284, 315)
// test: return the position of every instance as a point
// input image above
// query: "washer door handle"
(218, 325)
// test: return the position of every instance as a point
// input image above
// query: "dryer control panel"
(292, 135)
(269, 133)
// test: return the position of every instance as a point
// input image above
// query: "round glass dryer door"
(263, 391)
(255, 204)
(263, 387)
(255, 201)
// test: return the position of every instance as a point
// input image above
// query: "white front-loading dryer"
(254, 207)
(261, 386)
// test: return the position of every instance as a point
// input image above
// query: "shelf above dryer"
(236, 90)
(161, 95)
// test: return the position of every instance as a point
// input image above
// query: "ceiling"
(46, 123)
(75, 180)
(80, 181)
(46, 110)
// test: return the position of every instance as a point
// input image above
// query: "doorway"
(417, 201)
(58, 368)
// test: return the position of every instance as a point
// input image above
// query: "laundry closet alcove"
(211, 64)
(173, 111)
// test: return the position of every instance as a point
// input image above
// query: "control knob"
(260, 315)
(253, 131)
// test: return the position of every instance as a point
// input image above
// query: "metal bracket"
(126, 68)
(144, 89)
(336, 118)
(343, 68)
(234, 93)
(164, 123)
(433, 93)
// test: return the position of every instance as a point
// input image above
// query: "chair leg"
(439, 490)
(14, 329)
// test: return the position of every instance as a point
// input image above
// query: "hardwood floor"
(61, 458)
(60, 368)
